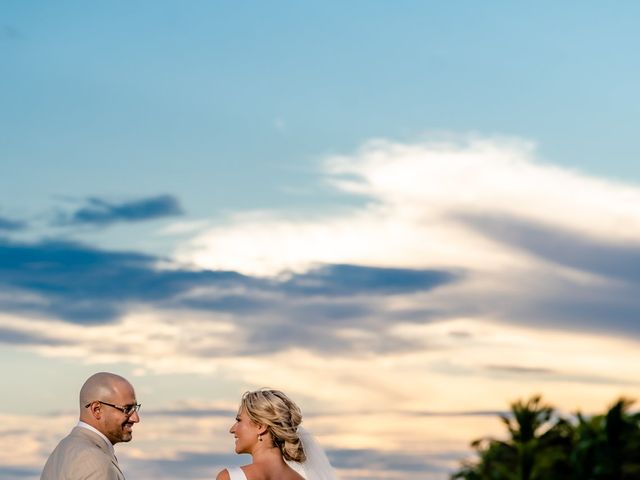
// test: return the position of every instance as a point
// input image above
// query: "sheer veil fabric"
(317, 466)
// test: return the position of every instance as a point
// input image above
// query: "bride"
(268, 428)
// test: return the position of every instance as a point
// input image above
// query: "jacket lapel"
(100, 443)
(114, 460)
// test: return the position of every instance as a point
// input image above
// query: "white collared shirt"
(81, 424)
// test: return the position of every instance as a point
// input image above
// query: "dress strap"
(236, 473)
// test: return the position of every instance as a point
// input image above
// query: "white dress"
(316, 467)
(236, 473)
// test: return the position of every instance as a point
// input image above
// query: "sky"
(405, 215)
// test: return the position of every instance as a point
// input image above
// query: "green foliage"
(542, 445)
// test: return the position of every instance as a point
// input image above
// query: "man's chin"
(127, 433)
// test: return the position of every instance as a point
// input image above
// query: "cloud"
(346, 280)
(101, 212)
(559, 376)
(473, 230)
(11, 225)
(519, 370)
(599, 256)
(187, 465)
(531, 243)
(189, 411)
(392, 384)
(86, 286)
(350, 463)
(416, 195)
(393, 463)
(16, 337)
(14, 473)
(196, 412)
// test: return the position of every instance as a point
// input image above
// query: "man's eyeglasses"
(128, 410)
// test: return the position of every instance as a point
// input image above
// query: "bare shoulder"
(270, 472)
(223, 475)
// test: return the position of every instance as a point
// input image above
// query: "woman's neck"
(267, 454)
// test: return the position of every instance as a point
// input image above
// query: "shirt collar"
(82, 424)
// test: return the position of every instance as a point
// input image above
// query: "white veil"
(316, 466)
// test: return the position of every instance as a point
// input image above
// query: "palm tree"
(538, 448)
(608, 446)
(543, 445)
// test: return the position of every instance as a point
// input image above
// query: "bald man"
(108, 411)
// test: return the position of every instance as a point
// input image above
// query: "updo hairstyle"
(280, 415)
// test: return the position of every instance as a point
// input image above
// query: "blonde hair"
(280, 415)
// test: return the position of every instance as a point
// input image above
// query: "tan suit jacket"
(82, 455)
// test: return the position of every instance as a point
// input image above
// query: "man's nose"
(134, 418)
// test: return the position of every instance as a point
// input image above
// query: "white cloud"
(417, 193)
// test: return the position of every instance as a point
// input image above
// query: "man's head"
(103, 397)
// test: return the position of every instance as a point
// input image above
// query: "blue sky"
(225, 105)
(406, 214)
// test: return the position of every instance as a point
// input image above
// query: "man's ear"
(95, 410)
